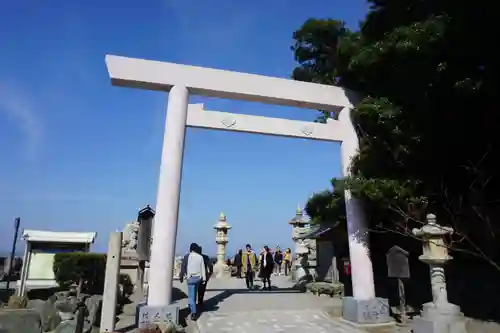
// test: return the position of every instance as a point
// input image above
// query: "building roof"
(316, 232)
(59, 237)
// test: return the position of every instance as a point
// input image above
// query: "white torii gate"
(182, 80)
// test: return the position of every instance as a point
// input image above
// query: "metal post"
(17, 222)
(402, 301)
(80, 317)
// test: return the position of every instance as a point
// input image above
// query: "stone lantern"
(438, 315)
(300, 227)
(221, 269)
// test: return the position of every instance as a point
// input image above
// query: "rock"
(20, 321)
(47, 311)
(70, 326)
(66, 315)
(17, 302)
(67, 305)
(324, 288)
(168, 328)
(161, 328)
(83, 297)
(150, 329)
(94, 306)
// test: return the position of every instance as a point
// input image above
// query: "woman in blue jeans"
(193, 268)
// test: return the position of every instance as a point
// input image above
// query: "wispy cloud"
(203, 27)
(18, 106)
(49, 196)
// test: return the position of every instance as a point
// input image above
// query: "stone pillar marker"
(111, 282)
(221, 269)
(438, 316)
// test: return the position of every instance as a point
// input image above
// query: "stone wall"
(57, 314)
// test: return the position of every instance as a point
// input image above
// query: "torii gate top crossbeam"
(156, 75)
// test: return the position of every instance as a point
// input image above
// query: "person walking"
(288, 261)
(278, 261)
(237, 263)
(249, 265)
(209, 268)
(266, 267)
(193, 268)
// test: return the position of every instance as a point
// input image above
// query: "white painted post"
(25, 270)
(111, 281)
(161, 269)
(363, 286)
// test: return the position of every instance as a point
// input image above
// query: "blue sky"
(81, 155)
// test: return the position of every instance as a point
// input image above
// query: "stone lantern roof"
(299, 218)
(222, 222)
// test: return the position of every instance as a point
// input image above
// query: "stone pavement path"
(230, 307)
(272, 321)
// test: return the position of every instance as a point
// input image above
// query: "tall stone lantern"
(300, 227)
(221, 269)
(438, 316)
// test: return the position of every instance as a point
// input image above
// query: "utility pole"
(17, 222)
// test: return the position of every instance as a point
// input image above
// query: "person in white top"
(194, 270)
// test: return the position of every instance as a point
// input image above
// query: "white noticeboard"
(41, 266)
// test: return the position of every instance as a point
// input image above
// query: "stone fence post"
(111, 281)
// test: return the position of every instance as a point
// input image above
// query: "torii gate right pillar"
(363, 307)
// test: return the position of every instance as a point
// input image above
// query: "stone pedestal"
(438, 316)
(299, 264)
(221, 269)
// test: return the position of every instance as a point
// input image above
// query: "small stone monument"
(399, 268)
(221, 269)
(130, 240)
(438, 316)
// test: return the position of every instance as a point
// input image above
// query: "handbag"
(193, 280)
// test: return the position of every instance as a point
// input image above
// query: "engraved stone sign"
(398, 267)
(157, 315)
(397, 263)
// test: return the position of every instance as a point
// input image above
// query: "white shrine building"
(40, 248)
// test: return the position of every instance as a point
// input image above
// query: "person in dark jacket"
(237, 263)
(203, 286)
(278, 261)
(266, 267)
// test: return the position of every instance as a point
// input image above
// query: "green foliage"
(69, 268)
(328, 206)
(427, 123)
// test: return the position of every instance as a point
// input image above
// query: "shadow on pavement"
(178, 294)
(212, 304)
